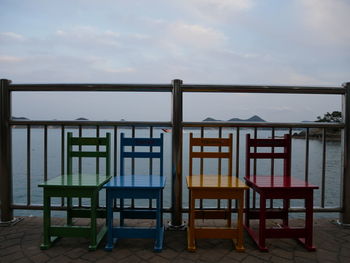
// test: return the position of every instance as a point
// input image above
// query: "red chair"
(271, 186)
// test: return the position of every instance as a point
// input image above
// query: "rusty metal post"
(5, 153)
(176, 197)
(345, 216)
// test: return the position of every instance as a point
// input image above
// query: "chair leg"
(161, 209)
(121, 217)
(247, 205)
(262, 224)
(240, 245)
(69, 211)
(93, 223)
(229, 213)
(191, 246)
(309, 221)
(47, 223)
(109, 245)
(286, 205)
(159, 233)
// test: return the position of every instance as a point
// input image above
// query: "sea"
(29, 172)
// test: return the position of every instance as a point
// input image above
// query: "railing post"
(5, 153)
(345, 216)
(176, 197)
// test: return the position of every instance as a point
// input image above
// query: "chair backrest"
(147, 145)
(81, 147)
(252, 152)
(219, 143)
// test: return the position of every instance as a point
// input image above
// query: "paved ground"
(20, 243)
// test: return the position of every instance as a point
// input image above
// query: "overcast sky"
(269, 42)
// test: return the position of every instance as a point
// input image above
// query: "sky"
(270, 42)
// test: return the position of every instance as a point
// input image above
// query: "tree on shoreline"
(335, 116)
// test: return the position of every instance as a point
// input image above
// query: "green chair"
(78, 185)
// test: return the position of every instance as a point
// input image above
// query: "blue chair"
(137, 186)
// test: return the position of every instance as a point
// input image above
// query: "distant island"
(20, 119)
(254, 118)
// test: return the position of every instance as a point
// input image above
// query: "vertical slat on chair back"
(210, 142)
(284, 143)
(83, 153)
(141, 142)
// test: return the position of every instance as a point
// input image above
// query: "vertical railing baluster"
(307, 154)
(151, 163)
(237, 151)
(28, 164)
(62, 155)
(345, 181)
(219, 164)
(323, 184)
(80, 160)
(237, 158)
(176, 159)
(115, 158)
(151, 150)
(272, 162)
(201, 169)
(115, 150)
(45, 152)
(97, 149)
(97, 158)
(5, 152)
(254, 166)
(133, 163)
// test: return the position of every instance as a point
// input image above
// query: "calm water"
(333, 163)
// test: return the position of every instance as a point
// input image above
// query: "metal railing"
(177, 88)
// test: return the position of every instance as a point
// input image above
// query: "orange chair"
(215, 186)
(271, 186)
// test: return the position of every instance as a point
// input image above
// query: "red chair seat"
(273, 182)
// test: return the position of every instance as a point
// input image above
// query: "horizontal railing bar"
(184, 87)
(264, 124)
(184, 210)
(92, 87)
(184, 124)
(263, 89)
(91, 123)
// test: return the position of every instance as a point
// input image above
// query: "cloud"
(11, 37)
(216, 10)
(228, 5)
(120, 70)
(194, 35)
(327, 19)
(10, 59)
(86, 35)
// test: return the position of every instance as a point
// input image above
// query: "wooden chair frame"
(139, 186)
(80, 185)
(214, 187)
(283, 187)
